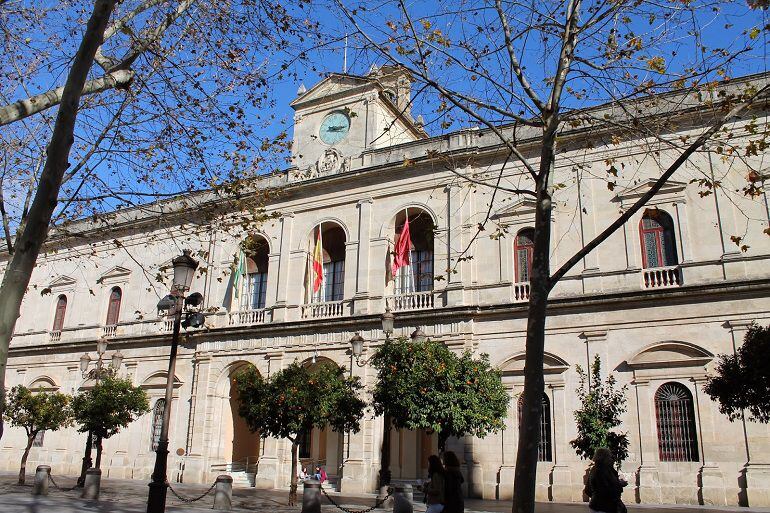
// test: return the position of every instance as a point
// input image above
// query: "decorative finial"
(374, 69)
(420, 120)
(301, 90)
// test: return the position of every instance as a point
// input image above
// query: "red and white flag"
(318, 263)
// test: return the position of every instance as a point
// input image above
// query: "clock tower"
(343, 116)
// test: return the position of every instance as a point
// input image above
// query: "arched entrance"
(322, 447)
(241, 447)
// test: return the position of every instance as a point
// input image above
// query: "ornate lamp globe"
(184, 270)
(357, 345)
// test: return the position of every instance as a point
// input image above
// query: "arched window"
(157, 422)
(418, 275)
(677, 438)
(544, 446)
(113, 308)
(658, 241)
(332, 240)
(254, 285)
(523, 248)
(61, 309)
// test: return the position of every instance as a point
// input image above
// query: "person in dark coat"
(604, 485)
(453, 483)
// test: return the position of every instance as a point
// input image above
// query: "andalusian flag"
(318, 263)
(240, 270)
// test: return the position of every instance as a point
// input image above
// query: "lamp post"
(175, 303)
(97, 373)
(357, 348)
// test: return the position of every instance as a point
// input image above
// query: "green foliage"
(742, 380)
(424, 385)
(109, 406)
(37, 411)
(599, 414)
(299, 398)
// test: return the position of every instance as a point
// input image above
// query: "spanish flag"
(318, 263)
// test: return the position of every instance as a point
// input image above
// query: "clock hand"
(336, 128)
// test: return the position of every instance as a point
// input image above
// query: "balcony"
(248, 317)
(167, 326)
(521, 292)
(410, 301)
(54, 336)
(323, 310)
(662, 277)
(109, 331)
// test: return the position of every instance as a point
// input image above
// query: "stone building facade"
(658, 302)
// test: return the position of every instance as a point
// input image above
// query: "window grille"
(38, 441)
(658, 241)
(544, 445)
(61, 309)
(677, 438)
(524, 246)
(157, 422)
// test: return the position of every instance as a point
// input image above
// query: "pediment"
(552, 364)
(43, 384)
(521, 207)
(669, 188)
(62, 281)
(115, 274)
(332, 85)
(158, 380)
(670, 354)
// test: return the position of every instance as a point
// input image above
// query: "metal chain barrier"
(50, 478)
(185, 499)
(377, 503)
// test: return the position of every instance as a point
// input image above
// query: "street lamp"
(97, 373)
(178, 305)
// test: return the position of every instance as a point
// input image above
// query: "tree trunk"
(98, 452)
(86, 461)
(23, 468)
(534, 384)
(443, 436)
(385, 456)
(19, 270)
(293, 487)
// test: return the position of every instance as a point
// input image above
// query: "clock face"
(334, 127)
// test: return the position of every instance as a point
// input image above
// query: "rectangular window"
(417, 277)
(254, 291)
(304, 444)
(333, 287)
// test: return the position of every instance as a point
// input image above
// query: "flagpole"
(409, 253)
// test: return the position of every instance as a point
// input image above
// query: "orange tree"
(424, 385)
(299, 398)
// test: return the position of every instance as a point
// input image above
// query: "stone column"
(351, 271)
(273, 265)
(269, 461)
(710, 478)
(197, 452)
(377, 272)
(454, 245)
(283, 272)
(648, 480)
(358, 470)
(361, 297)
(561, 477)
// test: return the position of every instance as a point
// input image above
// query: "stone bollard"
(311, 496)
(42, 476)
(223, 493)
(402, 499)
(92, 484)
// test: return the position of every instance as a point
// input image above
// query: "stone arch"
(514, 365)
(321, 447)
(388, 228)
(306, 243)
(157, 380)
(417, 277)
(252, 282)
(241, 447)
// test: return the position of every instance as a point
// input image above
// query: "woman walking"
(453, 482)
(434, 489)
(604, 486)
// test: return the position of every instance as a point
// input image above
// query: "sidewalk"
(130, 496)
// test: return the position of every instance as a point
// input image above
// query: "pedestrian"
(317, 474)
(303, 473)
(453, 482)
(604, 485)
(434, 488)
(324, 477)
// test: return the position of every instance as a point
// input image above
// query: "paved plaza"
(129, 496)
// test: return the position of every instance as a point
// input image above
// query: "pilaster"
(283, 272)
(361, 298)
